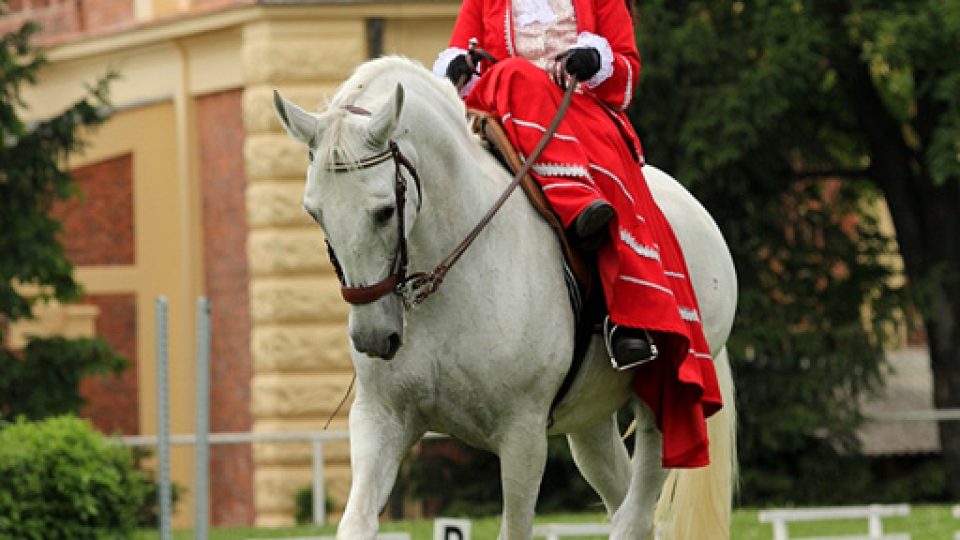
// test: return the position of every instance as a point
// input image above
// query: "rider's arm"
(469, 25)
(619, 59)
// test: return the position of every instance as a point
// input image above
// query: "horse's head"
(353, 192)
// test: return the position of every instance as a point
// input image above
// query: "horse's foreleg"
(603, 461)
(378, 442)
(635, 517)
(523, 457)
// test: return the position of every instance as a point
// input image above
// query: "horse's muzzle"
(385, 348)
(376, 329)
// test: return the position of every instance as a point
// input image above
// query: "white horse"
(483, 358)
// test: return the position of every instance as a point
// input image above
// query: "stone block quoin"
(299, 347)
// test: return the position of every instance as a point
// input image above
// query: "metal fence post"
(319, 490)
(163, 424)
(202, 447)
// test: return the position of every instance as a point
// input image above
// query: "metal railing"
(203, 438)
(316, 440)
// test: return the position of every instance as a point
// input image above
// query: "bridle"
(415, 288)
(398, 278)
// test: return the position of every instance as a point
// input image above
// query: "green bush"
(303, 500)
(62, 480)
(148, 510)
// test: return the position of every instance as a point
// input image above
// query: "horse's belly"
(597, 392)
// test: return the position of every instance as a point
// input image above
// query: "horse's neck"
(461, 184)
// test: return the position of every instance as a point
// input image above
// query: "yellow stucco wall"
(299, 344)
(164, 232)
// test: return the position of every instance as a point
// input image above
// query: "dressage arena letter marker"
(451, 529)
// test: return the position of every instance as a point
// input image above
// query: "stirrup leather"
(608, 330)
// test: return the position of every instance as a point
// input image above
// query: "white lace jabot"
(543, 29)
(533, 11)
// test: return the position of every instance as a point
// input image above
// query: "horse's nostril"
(393, 345)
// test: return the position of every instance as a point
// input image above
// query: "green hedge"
(60, 479)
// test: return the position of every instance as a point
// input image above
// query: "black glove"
(459, 67)
(582, 62)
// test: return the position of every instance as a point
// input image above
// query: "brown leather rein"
(416, 288)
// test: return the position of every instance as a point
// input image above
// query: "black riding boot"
(628, 347)
(589, 229)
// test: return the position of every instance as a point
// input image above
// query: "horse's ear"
(384, 122)
(300, 124)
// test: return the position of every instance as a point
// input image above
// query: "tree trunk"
(944, 340)
(927, 222)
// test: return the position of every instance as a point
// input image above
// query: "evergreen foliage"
(33, 266)
(790, 120)
(44, 379)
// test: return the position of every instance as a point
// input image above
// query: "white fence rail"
(556, 531)
(873, 513)
(315, 438)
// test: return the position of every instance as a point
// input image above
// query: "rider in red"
(591, 174)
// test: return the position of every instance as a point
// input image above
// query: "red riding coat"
(491, 22)
(597, 155)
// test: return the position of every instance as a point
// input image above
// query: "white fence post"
(874, 525)
(780, 530)
(163, 423)
(202, 449)
(319, 490)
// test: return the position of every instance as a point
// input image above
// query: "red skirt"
(596, 155)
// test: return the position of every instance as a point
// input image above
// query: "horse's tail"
(696, 503)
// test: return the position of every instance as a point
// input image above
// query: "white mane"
(372, 82)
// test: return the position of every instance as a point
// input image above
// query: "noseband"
(398, 278)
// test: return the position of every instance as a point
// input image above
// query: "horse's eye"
(383, 215)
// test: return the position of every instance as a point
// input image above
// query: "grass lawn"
(924, 523)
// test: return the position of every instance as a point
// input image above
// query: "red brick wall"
(99, 15)
(56, 18)
(69, 19)
(98, 227)
(113, 400)
(223, 185)
(98, 230)
(213, 4)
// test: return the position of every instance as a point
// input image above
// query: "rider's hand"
(458, 69)
(582, 62)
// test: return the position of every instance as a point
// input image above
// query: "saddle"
(580, 271)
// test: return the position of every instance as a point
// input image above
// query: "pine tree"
(43, 379)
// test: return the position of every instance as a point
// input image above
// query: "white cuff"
(602, 46)
(443, 62)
